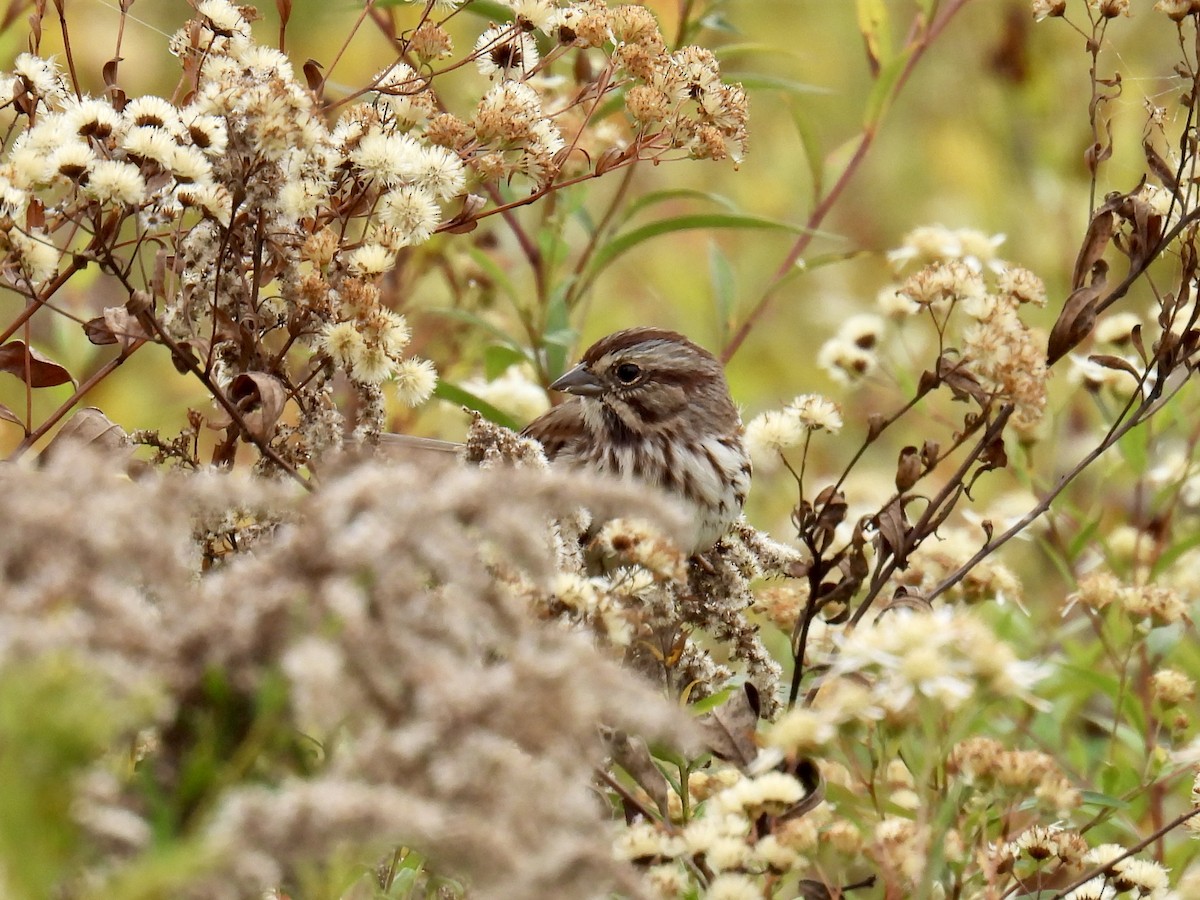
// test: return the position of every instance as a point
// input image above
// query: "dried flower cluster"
(257, 237)
(439, 714)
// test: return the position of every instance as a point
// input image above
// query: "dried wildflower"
(92, 119)
(1161, 605)
(371, 259)
(412, 212)
(733, 886)
(863, 331)
(1093, 889)
(415, 380)
(110, 181)
(1044, 9)
(1178, 10)
(934, 244)
(1021, 285)
(846, 362)
(430, 41)
(1110, 9)
(775, 431)
(505, 51)
(1145, 876)
(1172, 687)
(802, 730)
(41, 76)
(348, 605)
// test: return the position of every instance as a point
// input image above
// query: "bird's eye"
(628, 373)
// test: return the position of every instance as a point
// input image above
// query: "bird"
(650, 406)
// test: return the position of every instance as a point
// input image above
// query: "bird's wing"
(560, 427)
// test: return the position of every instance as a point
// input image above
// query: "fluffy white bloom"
(110, 181)
(388, 158)
(441, 172)
(931, 243)
(371, 259)
(415, 380)
(39, 257)
(150, 111)
(151, 143)
(412, 211)
(506, 51)
(41, 75)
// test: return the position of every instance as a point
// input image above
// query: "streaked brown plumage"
(650, 405)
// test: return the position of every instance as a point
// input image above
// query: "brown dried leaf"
(1078, 316)
(632, 755)
(908, 468)
(729, 730)
(43, 371)
(8, 415)
(1115, 362)
(893, 528)
(109, 72)
(260, 398)
(313, 76)
(1099, 235)
(1162, 170)
(92, 428)
(116, 326)
(808, 773)
(962, 384)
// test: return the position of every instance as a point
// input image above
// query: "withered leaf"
(811, 889)
(1099, 234)
(43, 371)
(893, 528)
(1162, 170)
(729, 730)
(1078, 316)
(8, 415)
(908, 468)
(962, 384)
(632, 755)
(1114, 362)
(260, 398)
(902, 599)
(92, 428)
(115, 326)
(313, 76)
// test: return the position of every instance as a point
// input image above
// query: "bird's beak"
(579, 381)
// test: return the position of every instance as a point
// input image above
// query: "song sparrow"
(650, 405)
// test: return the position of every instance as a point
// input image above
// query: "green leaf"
(489, 9)
(497, 358)
(630, 239)
(883, 91)
(452, 393)
(656, 197)
(720, 276)
(761, 81)
(810, 141)
(876, 31)
(1102, 801)
(711, 702)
